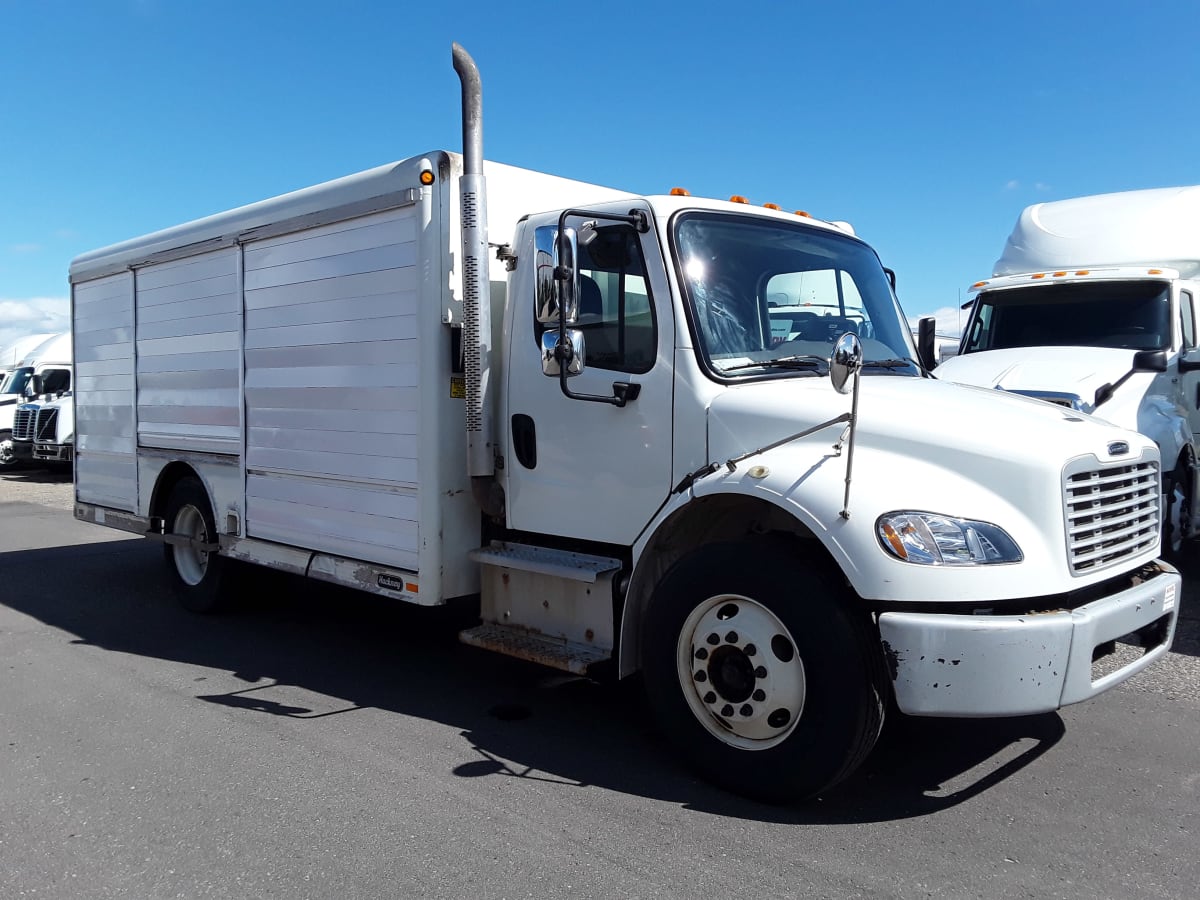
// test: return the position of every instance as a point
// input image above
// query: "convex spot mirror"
(847, 359)
(565, 351)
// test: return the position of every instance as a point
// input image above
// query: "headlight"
(928, 539)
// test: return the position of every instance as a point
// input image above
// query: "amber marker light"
(1038, 275)
(894, 540)
(1059, 274)
(1084, 272)
(680, 192)
(771, 206)
(978, 284)
(738, 198)
(1154, 272)
(426, 177)
(806, 215)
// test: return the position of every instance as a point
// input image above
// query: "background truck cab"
(1093, 306)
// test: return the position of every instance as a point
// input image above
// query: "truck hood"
(1075, 370)
(927, 419)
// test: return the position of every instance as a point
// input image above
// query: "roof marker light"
(1083, 272)
(680, 192)
(801, 212)
(772, 206)
(1154, 272)
(738, 198)
(1059, 274)
(978, 284)
(1038, 275)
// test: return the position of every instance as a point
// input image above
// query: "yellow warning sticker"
(458, 387)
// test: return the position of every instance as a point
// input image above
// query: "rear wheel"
(197, 573)
(759, 672)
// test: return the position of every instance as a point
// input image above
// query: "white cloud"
(1012, 185)
(24, 249)
(950, 320)
(36, 315)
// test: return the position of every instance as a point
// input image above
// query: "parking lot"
(321, 743)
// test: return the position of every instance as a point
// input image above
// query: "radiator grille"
(1112, 513)
(24, 420)
(47, 425)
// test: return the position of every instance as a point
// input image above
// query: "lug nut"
(702, 675)
(713, 639)
(710, 698)
(760, 672)
(731, 638)
(702, 653)
(727, 710)
(759, 696)
(747, 710)
(750, 649)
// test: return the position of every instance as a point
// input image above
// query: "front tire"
(1178, 498)
(7, 460)
(760, 673)
(196, 574)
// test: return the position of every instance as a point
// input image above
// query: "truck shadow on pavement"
(307, 650)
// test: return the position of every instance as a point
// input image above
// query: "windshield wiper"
(784, 362)
(897, 363)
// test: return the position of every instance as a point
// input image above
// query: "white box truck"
(1092, 306)
(573, 404)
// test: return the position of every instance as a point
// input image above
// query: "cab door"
(589, 469)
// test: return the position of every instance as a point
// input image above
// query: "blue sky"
(929, 126)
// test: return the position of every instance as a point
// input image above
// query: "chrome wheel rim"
(190, 561)
(741, 672)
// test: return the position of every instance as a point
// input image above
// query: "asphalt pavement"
(321, 743)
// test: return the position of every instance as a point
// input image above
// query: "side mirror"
(557, 275)
(926, 329)
(1143, 361)
(1150, 361)
(33, 387)
(847, 359)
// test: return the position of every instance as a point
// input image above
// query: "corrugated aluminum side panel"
(105, 465)
(332, 409)
(188, 334)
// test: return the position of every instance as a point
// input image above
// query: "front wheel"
(196, 571)
(760, 673)
(7, 460)
(1177, 523)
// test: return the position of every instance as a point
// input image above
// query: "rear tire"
(760, 673)
(197, 575)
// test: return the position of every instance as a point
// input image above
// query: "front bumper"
(22, 450)
(53, 452)
(1014, 665)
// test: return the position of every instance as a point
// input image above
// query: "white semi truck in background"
(1093, 306)
(41, 379)
(447, 378)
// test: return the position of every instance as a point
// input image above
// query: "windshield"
(769, 297)
(1135, 315)
(15, 383)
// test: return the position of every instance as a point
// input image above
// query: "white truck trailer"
(1093, 306)
(570, 403)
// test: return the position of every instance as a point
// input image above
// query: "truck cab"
(41, 376)
(1093, 307)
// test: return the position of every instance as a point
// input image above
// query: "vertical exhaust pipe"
(477, 293)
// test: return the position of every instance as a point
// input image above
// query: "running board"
(546, 651)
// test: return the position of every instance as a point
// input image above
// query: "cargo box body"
(295, 354)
